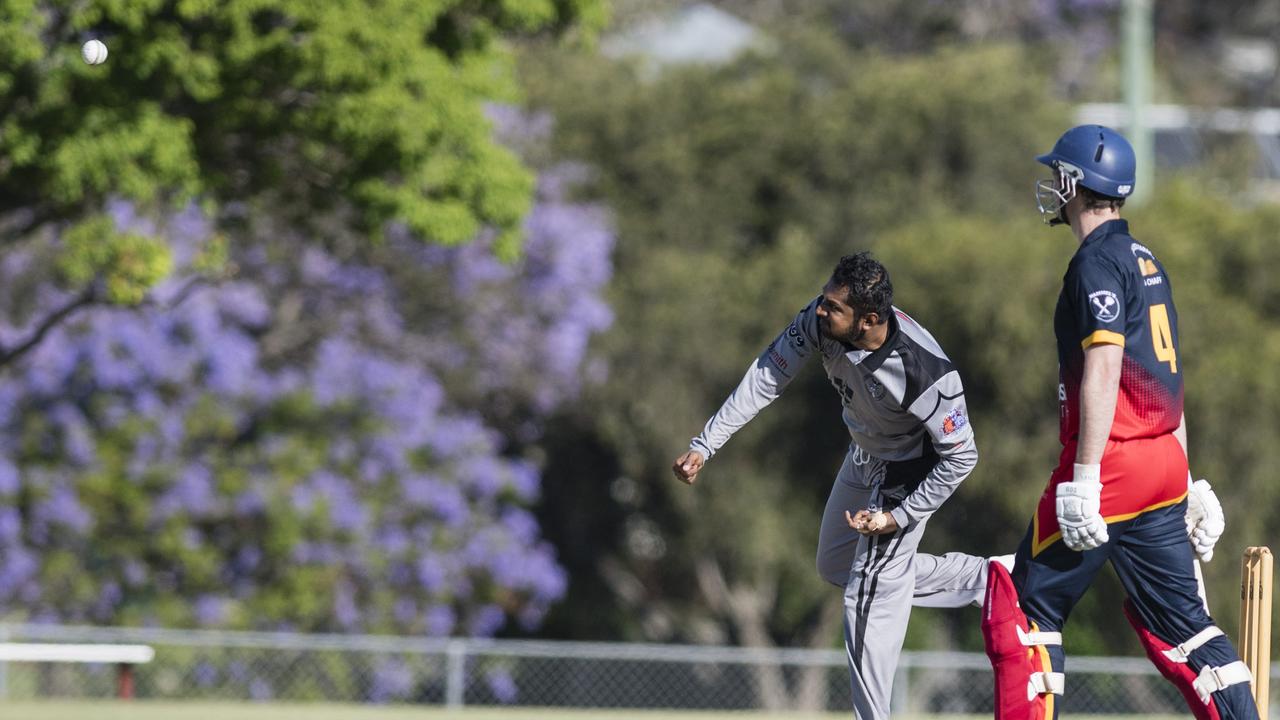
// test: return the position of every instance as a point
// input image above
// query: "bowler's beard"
(850, 338)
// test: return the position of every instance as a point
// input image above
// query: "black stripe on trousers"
(862, 608)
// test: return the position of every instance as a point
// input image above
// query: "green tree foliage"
(369, 112)
(1075, 42)
(736, 188)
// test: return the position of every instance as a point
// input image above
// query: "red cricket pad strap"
(1178, 673)
(1024, 679)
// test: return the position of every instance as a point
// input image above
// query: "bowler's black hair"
(867, 282)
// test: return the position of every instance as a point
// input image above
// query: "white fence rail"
(124, 657)
(456, 672)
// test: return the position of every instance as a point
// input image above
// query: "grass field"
(145, 710)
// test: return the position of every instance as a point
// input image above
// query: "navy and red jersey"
(1116, 291)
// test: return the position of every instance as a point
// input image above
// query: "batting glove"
(1205, 520)
(1078, 506)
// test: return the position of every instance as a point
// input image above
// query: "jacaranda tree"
(316, 443)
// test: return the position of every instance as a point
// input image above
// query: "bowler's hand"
(688, 465)
(869, 523)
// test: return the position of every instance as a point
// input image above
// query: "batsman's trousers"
(1154, 561)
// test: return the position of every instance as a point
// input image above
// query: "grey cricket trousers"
(882, 577)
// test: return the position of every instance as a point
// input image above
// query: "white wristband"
(1091, 474)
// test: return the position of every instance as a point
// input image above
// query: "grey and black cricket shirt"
(903, 404)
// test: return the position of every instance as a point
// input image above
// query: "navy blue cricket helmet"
(1092, 156)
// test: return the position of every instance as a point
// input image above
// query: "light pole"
(1138, 62)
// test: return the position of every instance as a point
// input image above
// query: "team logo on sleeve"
(954, 420)
(1104, 305)
(794, 336)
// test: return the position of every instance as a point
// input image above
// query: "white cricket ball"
(94, 52)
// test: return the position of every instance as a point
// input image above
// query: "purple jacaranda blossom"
(518, 128)
(205, 674)
(134, 573)
(531, 615)
(345, 609)
(544, 577)
(400, 574)
(8, 477)
(439, 620)
(244, 306)
(193, 492)
(525, 481)
(521, 525)
(64, 510)
(341, 423)
(247, 559)
(450, 505)
(17, 566)
(260, 690)
(209, 610)
(76, 434)
(485, 476)
(419, 490)
(405, 611)
(249, 502)
(348, 514)
(502, 685)
(109, 596)
(486, 620)
(10, 526)
(392, 680)
(460, 437)
(431, 573)
(371, 470)
(392, 540)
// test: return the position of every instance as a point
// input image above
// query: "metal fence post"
(455, 674)
(901, 683)
(4, 666)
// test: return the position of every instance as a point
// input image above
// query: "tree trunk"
(747, 607)
(811, 693)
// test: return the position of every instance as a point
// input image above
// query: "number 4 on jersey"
(1162, 337)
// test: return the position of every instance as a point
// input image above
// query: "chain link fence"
(205, 665)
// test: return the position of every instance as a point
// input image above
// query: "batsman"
(912, 445)
(1121, 491)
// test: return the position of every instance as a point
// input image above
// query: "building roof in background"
(697, 33)
(1183, 134)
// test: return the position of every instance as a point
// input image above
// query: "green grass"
(150, 710)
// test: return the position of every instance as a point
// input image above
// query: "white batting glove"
(1078, 506)
(1205, 520)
